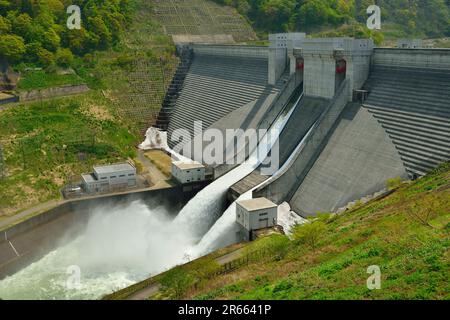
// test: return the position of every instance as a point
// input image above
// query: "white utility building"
(110, 178)
(187, 172)
(256, 214)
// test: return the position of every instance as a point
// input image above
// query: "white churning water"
(125, 244)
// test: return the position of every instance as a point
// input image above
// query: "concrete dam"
(346, 117)
(377, 113)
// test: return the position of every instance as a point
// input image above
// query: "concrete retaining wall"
(413, 58)
(232, 51)
(53, 92)
(9, 100)
(35, 237)
(356, 162)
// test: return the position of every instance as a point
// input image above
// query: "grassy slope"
(126, 85)
(46, 127)
(414, 258)
(40, 80)
(41, 142)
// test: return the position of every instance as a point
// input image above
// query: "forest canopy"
(430, 18)
(35, 31)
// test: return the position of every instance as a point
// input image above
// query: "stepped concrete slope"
(357, 160)
(172, 93)
(215, 86)
(413, 105)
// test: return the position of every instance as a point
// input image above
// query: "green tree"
(309, 233)
(51, 40)
(100, 34)
(5, 25)
(41, 25)
(276, 14)
(64, 58)
(12, 47)
(32, 51)
(45, 57)
(177, 281)
(77, 40)
(23, 25)
(4, 6)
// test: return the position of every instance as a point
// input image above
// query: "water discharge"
(206, 207)
(126, 244)
(223, 233)
(120, 246)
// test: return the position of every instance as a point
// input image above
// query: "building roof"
(188, 165)
(5, 96)
(257, 204)
(113, 168)
(89, 178)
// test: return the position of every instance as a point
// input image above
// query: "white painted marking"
(14, 249)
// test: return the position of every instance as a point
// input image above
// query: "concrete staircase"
(174, 89)
(216, 86)
(413, 106)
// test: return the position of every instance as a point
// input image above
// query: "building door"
(263, 223)
(341, 72)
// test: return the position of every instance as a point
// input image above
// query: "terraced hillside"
(150, 60)
(413, 107)
(201, 17)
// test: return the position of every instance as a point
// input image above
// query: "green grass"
(42, 142)
(31, 80)
(413, 254)
(161, 160)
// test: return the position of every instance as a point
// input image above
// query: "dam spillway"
(335, 147)
(121, 245)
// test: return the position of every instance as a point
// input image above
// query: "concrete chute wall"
(357, 161)
(283, 186)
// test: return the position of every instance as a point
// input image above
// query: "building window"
(113, 177)
(263, 214)
(122, 175)
(131, 175)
